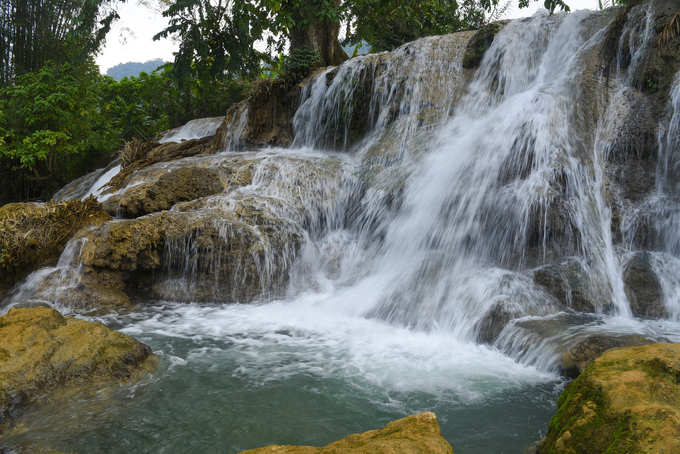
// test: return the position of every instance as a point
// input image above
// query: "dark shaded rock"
(643, 288)
(575, 361)
(568, 282)
(495, 319)
(480, 42)
(626, 401)
(42, 351)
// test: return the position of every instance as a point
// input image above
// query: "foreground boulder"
(415, 434)
(41, 350)
(628, 400)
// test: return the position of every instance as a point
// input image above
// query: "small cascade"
(394, 99)
(195, 129)
(52, 286)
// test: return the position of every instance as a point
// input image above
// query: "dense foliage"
(33, 31)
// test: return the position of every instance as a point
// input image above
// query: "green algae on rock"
(626, 401)
(412, 435)
(41, 351)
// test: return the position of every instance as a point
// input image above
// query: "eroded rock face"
(628, 400)
(40, 350)
(415, 434)
(579, 357)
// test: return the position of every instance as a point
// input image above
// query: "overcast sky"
(131, 38)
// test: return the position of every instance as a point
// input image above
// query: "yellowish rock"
(415, 434)
(626, 401)
(40, 350)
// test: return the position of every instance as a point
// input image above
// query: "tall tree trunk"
(322, 37)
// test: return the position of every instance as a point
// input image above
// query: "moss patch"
(626, 401)
(415, 434)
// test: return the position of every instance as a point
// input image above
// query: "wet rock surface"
(628, 400)
(579, 357)
(238, 255)
(415, 434)
(643, 288)
(569, 283)
(40, 350)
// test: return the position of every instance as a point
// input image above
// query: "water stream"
(414, 235)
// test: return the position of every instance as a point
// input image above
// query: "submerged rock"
(628, 400)
(579, 357)
(40, 350)
(415, 434)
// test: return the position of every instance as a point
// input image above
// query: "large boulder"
(579, 357)
(627, 400)
(415, 434)
(40, 350)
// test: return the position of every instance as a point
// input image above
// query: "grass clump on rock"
(32, 235)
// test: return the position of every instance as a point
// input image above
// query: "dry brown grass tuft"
(33, 234)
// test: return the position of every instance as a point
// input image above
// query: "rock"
(179, 185)
(577, 359)
(40, 351)
(415, 434)
(68, 288)
(568, 282)
(228, 255)
(643, 287)
(495, 319)
(627, 401)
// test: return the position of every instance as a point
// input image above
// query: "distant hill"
(133, 68)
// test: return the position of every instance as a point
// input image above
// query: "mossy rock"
(40, 351)
(626, 401)
(579, 357)
(412, 435)
(179, 185)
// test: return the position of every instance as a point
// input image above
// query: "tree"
(32, 31)
(217, 45)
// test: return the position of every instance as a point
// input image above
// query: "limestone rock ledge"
(626, 401)
(41, 350)
(415, 434)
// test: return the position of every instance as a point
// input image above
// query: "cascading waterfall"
(412, 218)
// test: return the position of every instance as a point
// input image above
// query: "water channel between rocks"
(415, 254)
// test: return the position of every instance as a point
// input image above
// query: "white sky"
(131, 37)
